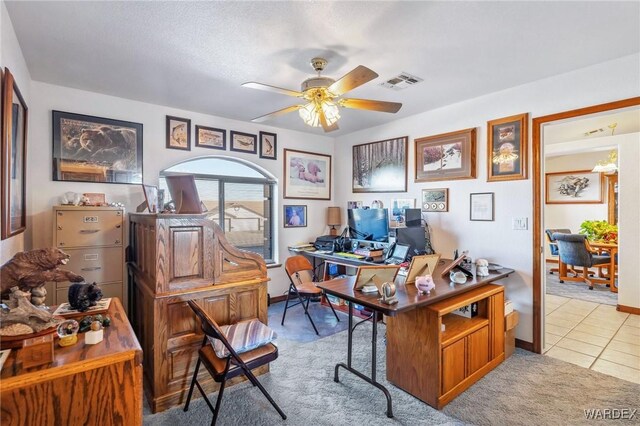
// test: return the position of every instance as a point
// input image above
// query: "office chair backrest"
(553, 246)
(573, 249)
(299, 269)
(210, 327)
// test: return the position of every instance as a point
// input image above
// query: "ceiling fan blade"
(354, 78)
(327, 128)
(277, 113)
(273, 89)
(371, 105)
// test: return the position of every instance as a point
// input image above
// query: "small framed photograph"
(178, 133)
(307, 175)
(507, 148)
(398, 206)
(354, 204)
(481, 206)
(448, 156)
(295, 216)
(577, 187)
(243, 142)
(151, 196)
(268, 145)
(435, 200)
(94, 199)
(209, 137)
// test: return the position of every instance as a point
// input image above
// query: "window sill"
(273, 265)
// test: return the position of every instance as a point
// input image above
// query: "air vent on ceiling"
(401, 81)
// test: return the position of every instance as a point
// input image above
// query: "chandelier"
(320, 103)
(608, 166)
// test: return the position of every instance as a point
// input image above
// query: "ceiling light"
(320, 103)
(608, 166)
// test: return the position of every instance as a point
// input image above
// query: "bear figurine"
(82, 295)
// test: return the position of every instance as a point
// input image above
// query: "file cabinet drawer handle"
(93, 268)
(89, 231)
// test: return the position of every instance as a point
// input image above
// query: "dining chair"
(232, 365)
(553, 247)
(574, 250)
(301, 286)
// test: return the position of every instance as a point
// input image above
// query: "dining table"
(611, 248)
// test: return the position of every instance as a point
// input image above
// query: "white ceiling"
(623, 121)
(195, 56)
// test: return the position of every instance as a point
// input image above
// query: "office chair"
(233, 365)
(301, 285)
(574, 250)
(553, 247)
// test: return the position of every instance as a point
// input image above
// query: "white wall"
(570, 216)
(11, 57)
(496, 241)
(43, 192)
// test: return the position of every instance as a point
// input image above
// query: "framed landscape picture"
(380, 166)
(178, 133)
(307, 175)
(209, 137)
(243, 142)
(295, 216)
(268, 145)
(13, 163)
(447, 156)
(435, 200)
(96, 149)
(577, 187)
(507, 148)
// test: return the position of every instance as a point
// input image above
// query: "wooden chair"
(574, 250)
(301, 285)
(223, 369)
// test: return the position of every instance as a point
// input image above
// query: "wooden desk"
(85, 385)
(612, 249)
(431, 365)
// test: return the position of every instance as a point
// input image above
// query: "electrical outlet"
(520, 223)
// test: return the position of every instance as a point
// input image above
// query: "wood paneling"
(190, 255)
(86, 384)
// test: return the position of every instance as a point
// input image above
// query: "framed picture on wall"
(178, 133)
(243, 142)
(447, 156)
(481, 206)
(507, 148)
(210, 137)
(398, 206)
(574, 187)
(13, 165)
(307, 175)
(295, 216)
(96, 149)
(380, 166)
(435, 200)
(268, 145)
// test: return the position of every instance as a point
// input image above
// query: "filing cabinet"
(93, 238)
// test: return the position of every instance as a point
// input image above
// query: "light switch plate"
(520, 224)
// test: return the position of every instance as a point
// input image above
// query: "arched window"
(239, 197)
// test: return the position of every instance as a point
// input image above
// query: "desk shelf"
(458, 327)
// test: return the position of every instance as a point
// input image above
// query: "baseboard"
(527, 346)
(628, 309)
(277, 299)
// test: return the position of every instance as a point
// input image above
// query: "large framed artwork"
(178, 133)
(447, 156)
(96, 149)
(13, 150)
(507, 148)
(380, 166)
(307, 175)
(574, 187)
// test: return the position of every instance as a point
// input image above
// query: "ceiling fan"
(322, 96)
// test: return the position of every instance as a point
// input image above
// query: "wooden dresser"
(175, 258)
(93, 237)
(97, 384)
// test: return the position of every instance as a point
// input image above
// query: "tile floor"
(594, 336)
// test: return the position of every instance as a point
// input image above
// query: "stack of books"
(369, 252)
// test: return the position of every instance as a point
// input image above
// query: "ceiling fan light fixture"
(310, 113)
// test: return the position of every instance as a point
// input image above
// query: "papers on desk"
(102, 305)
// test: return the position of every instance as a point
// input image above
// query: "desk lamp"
(334, 218)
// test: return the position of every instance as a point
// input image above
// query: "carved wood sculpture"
(30, 270)
(22, 311)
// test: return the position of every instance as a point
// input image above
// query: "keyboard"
(393, 261)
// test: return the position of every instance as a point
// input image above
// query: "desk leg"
(374, 351)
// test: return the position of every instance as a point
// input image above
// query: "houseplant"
(599, 230)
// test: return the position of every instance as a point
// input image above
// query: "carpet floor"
(526, 389)
(578, 290)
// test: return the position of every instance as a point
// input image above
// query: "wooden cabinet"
(448, 352)
(93, 238)
(173, 259)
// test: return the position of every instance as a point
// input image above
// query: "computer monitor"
(369, 224)
(414, 237)
(184, 193)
